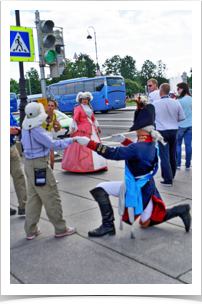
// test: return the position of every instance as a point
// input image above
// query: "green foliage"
(128, 69)
(132, 87)
(14, 86)
(35, 82)
(189, 79)
(112, 65)
(90, 65)
(84, 66)
(147, 71)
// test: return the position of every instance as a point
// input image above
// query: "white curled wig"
(144, 99)
(84, 95)
(154, 134)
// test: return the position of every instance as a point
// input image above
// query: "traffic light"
(47, 42)
(57, 69)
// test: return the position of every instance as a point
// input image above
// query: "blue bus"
(13, 102)
(108, 92)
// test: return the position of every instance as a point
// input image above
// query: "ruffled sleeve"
(76, 114)
(94, 120)
(73, 125)
(96, 123)
(75, 121)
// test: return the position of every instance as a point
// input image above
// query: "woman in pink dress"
(80, 158)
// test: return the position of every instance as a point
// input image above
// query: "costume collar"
(145, 138)
(165, 96)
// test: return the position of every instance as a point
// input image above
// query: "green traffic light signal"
(50, 56)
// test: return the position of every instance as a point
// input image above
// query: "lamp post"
(90, 37)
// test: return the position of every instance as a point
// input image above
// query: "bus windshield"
(115, 81)
(12, 96)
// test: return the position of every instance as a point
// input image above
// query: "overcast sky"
(154, 32)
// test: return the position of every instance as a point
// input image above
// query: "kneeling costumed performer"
(138, 195)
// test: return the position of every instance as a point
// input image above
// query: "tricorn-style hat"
(145, 117)
(35, 115)
(84, 95)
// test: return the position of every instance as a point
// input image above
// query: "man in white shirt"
(168, 113)
(154, 91)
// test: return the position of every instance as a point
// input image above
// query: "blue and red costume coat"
(140, 158)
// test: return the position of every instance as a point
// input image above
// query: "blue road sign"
(21, 44)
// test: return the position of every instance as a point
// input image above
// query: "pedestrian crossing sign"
(21, 44)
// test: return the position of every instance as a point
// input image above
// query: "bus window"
(99, 84)
(115, 81)
(48, 94)
(12, 95)
(54, 89)
(78, 87)
(89, 86)
(70, 88)
(62, 89)
(13, 102)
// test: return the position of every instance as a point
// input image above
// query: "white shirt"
(153, 96)
(167, 111)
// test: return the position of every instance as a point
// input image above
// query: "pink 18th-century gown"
(79, 158)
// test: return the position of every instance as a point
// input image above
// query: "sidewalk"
(158, 255)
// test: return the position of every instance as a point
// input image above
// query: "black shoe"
(102, 230)
(185, 216)
(167, 184)
(12, 211)
(21, 211)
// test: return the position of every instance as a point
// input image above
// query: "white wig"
(154, 134)
(84, 95)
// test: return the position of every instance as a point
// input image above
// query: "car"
(65, 122)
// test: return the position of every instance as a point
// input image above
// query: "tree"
(127, 68)
(148, 70)
(14, 86)
(82, 67)
(132, 87)
(89, 63)
(35, 82)
(160, 73)
(112, 65)
(189, 79)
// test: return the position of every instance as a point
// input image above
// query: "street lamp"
(90, 37)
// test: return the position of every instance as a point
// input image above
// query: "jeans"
(168, 155)
(185, 133)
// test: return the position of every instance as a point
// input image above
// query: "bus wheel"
(105, 111)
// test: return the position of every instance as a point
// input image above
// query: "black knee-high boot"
(182, 211)
(107, 227)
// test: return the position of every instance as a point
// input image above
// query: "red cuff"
(92, 145)
(127, 142)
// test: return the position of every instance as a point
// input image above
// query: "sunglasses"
(178, 89)
(47, 126)
(149, 85)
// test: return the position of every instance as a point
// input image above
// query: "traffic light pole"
(42, 73)
(22, 81)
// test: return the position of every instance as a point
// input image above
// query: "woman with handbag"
(185, 126)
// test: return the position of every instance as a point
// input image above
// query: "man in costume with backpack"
(138, 195)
